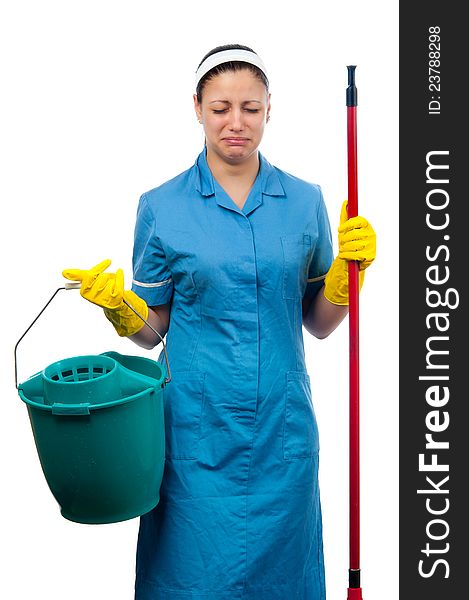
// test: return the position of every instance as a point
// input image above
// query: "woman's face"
(234, 109)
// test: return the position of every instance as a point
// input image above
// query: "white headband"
(226, 56)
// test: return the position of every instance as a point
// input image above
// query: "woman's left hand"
(357, 239)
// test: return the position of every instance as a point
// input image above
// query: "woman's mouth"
(235, 141)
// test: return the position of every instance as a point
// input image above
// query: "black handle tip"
(351, 90)
(351, 74)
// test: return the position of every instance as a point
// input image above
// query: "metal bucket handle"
(75, 285)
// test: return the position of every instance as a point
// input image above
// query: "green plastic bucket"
(98, 424)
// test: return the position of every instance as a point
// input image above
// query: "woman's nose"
(236, 119)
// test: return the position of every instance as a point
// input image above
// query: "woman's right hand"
(103, 289)
(107, 290)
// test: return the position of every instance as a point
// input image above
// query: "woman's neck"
(243, 173)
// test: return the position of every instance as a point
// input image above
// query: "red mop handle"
(354, 589)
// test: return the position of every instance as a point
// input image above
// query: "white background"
(96, 108)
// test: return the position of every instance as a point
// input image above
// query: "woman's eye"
(219, 111)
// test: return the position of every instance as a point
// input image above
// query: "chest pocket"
(297, 251)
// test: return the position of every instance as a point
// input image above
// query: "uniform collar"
(270, 181)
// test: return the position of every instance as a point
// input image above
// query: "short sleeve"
(152, 279)
(323, 254)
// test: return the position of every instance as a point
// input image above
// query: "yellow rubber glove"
(107, 290)
(357, 241)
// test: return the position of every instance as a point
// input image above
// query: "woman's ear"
(197, 109)
(267, 117)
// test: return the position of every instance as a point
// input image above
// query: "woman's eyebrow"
(228, 102)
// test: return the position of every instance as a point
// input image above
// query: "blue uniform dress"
(239, 515)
